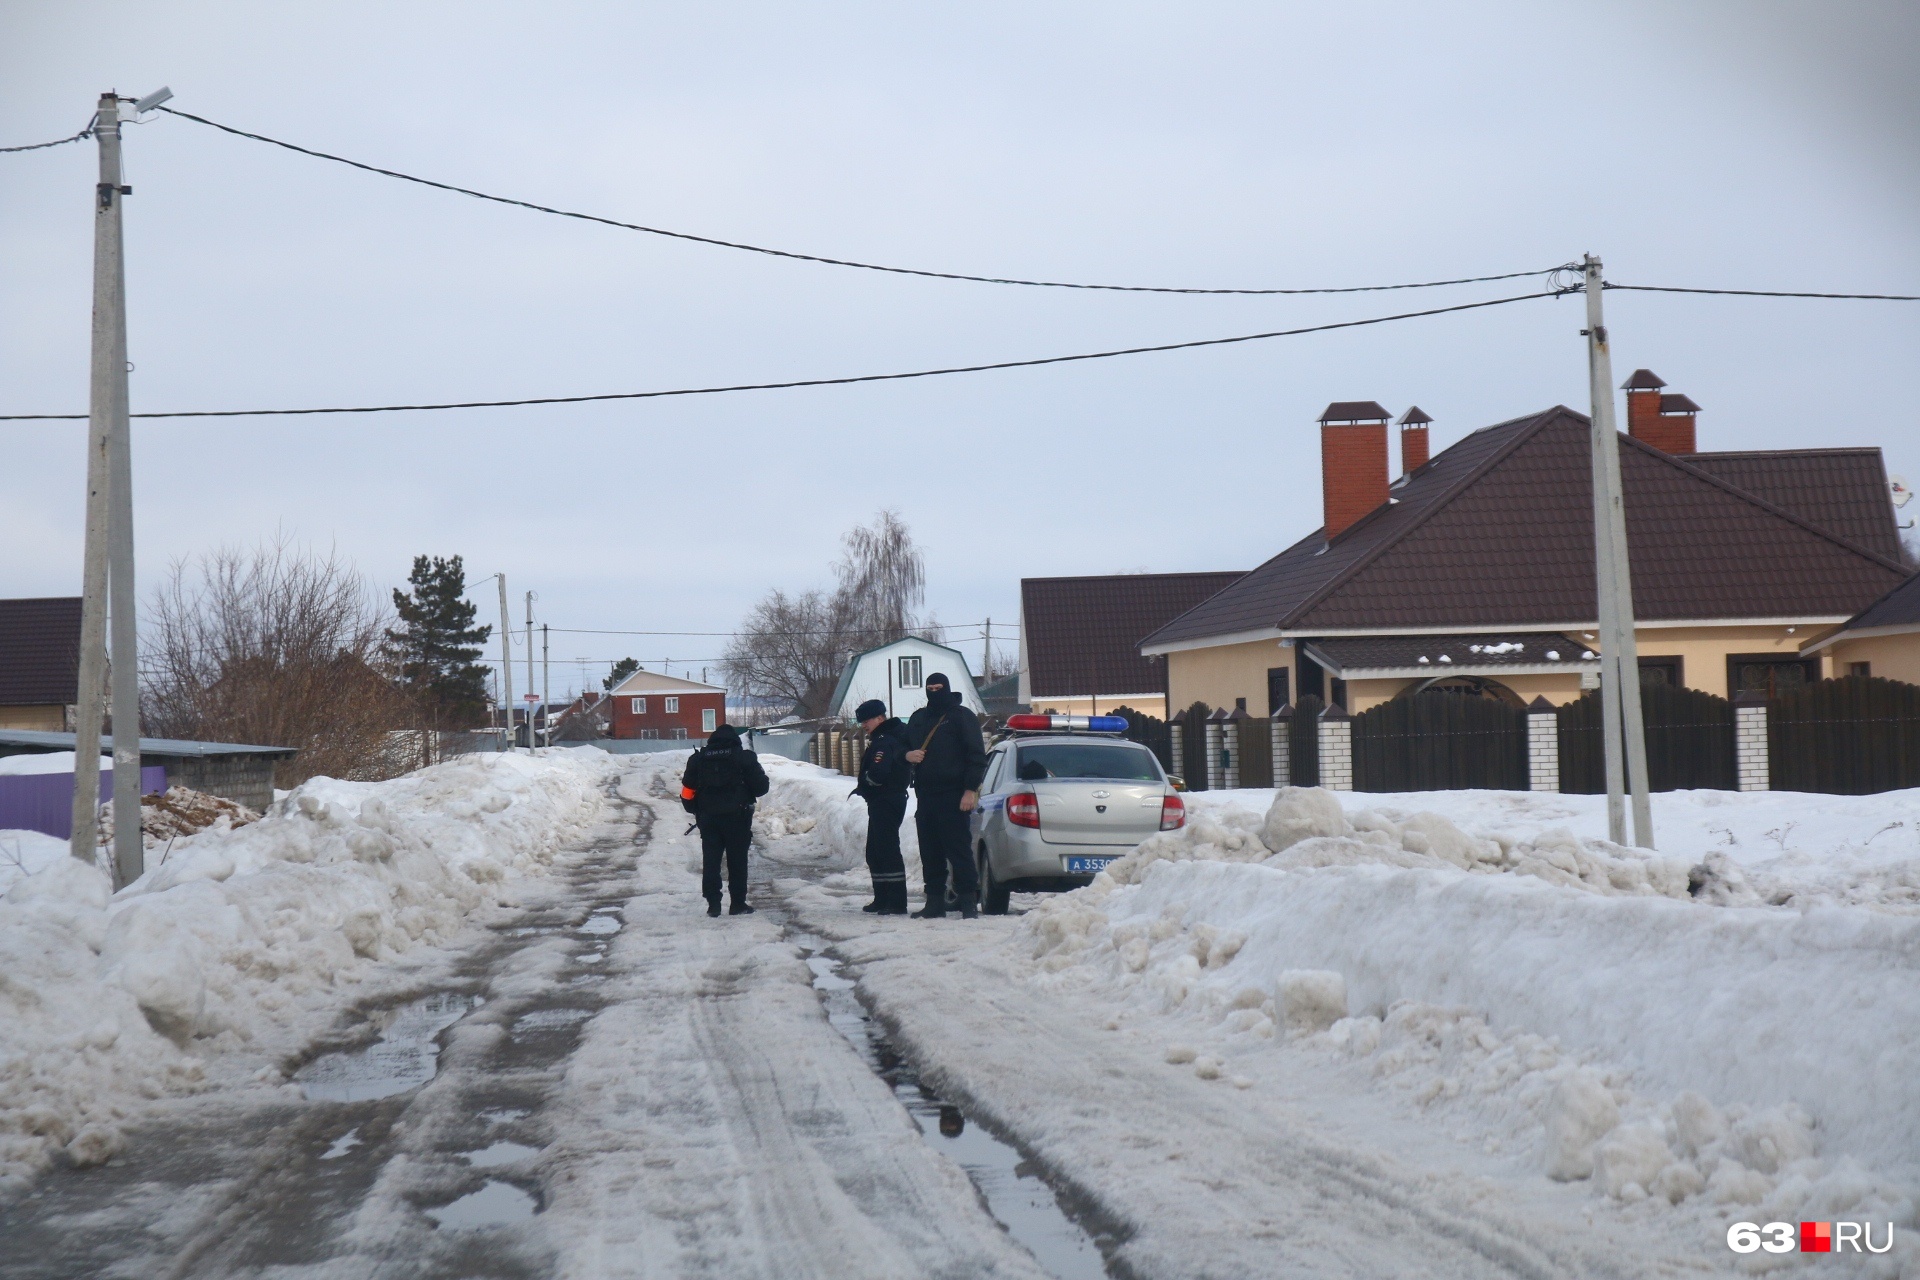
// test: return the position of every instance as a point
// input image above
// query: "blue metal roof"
(41, 740)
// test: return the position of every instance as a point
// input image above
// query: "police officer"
(884, 775)
(722, 781)
(949, 760)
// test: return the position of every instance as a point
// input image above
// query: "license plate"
(1088, 866)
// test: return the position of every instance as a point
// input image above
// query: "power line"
(1767, 293)
(971, 627)
(810, 382)
(814, 257)
(57, 142)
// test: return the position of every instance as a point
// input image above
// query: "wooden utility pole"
(1623, 726)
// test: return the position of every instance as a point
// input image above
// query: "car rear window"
(1087, 760)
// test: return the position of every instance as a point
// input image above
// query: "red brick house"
(650, 705)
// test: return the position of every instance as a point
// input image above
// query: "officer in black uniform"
(884, 776)
(949, 760)
(722, 781)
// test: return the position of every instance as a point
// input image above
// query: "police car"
(1063, 797)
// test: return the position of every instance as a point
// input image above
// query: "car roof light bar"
(1066, 724)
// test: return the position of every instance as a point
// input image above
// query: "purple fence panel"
(44, 801)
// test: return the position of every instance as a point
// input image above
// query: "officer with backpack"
(949, 760)
(722, 781)
(884, 776)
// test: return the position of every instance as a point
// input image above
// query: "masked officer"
(722, 781)
(884, 775)
(949, 760)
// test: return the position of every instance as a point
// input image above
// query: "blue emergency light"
(1067, 724)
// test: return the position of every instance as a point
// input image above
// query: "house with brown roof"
(1080, 638)
(1883, 639)
(1473, 571)
(39, 663)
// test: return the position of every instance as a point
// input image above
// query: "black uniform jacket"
(884, 771)
(956, 756)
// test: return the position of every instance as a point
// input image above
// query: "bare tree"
(281, 647)
(794, 647)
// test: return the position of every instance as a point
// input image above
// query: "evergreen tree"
(437, 642)
(621, 670)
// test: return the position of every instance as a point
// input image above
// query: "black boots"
(893, 900)
(713, 907)
(740, 908)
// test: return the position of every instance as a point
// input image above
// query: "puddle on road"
(498, 1154)
(498, 1204)
(1017, 1197)
(405, 1057)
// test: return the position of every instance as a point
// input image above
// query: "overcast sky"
(1741, 145)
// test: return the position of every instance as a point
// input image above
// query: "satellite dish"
(1897, 486)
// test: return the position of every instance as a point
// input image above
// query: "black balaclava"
(725, 738)
(944, 696)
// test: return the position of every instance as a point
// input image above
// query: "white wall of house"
(896, 675)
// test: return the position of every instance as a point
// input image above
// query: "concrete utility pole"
(532, 742)
(107, 571)
(546, 687)
(506, 664)
(986, 652)
(1613, 581)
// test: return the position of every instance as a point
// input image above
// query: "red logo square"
(1816, 1237)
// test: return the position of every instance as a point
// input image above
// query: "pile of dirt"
(180, 811)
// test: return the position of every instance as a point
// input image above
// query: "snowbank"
(22, 853)
(106, 1001)
(1573, 995)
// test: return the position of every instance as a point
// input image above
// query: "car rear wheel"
(993, 894)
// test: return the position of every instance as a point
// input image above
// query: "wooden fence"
(1150, 732)
(1852, 736)
(1440, 742)
(1689, 737)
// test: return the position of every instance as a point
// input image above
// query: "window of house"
(679, 735)
(1663, 670)
(1859, 668)
(909, 673)
(1278, 680)
(649, 735)
(708, 719)
(639, 706)
(673, 706)
(1771, 676)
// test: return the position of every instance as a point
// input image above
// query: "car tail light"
(1173, 813)
(1023, 810)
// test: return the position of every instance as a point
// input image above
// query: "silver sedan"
(1055, 809)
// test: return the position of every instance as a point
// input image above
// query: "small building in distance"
(650, 705)
(896, 674)
(39, 663)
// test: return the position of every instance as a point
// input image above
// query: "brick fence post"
(1750, 741)
(1231, 755)
(1216, 775)
(1177, 745)
(1281, 723)
(1336, 748)
(1543, 746)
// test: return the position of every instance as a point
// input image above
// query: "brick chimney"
(1353, 462)
(1663, 421)
(1414, 446)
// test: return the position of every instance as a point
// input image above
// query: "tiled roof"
(1082, 632)
(40, 651)
(1900, 607)
(1844, 491)
(1498, 532)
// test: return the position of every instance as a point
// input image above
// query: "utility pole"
(532, 742)
(506, 663)
(546, 687)
(986, 652)
(1622, 724)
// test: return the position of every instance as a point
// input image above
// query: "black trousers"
(945, 846)
(729, 834)
(885, 813)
